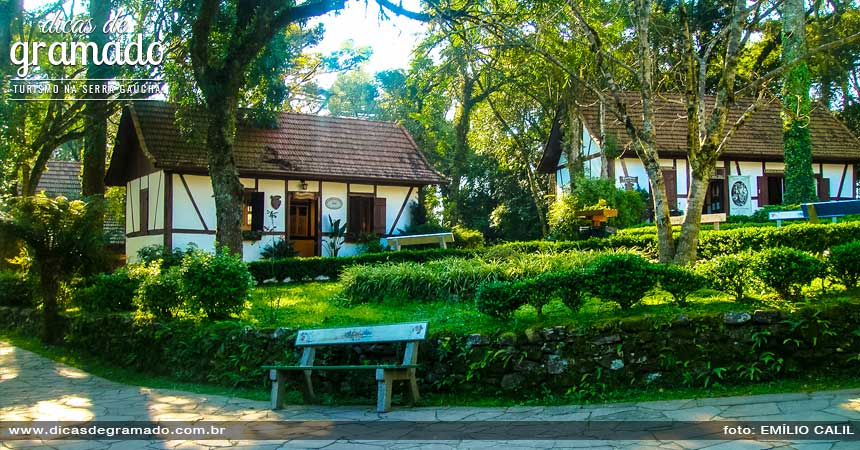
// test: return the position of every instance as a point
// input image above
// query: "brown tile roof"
(61, 178)
(308, 146)
(759, 138)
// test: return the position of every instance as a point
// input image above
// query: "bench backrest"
(831, 209)
(399, 332)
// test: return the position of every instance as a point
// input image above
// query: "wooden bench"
(411, 334)
(715, 219)
(821, 210)
(418, 239)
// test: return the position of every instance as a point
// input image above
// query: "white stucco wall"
(834, 173)
(134, 244)
(184, 215)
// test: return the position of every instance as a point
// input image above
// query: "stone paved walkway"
(36, 388)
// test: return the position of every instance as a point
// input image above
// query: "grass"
(317, 305)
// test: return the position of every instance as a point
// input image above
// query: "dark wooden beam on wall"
(168, 211)
(400, 212)
(193, 203)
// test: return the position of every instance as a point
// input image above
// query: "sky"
(392, 39)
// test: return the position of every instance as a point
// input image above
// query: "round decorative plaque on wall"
(333, 203)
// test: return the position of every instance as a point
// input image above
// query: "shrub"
(678, 281)
(370, 243)
(451, 279)
(151, 253)
(160, 290)
(787, 270)
(278, 249)
(15, 289)
(501, 298)
(844, 263)
(623, 278)
(218, 284)
(728, 273)
(107, 292)
(467, 238)
(631, 206)
(299, 269)
(566, 285)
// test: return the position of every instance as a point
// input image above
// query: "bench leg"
(307, 387)
(383, 391)
(412, 388)
(279, 380)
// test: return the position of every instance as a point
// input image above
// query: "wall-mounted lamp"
(303, 185)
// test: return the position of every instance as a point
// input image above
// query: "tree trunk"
(685, 252)
(461, 151)
(222, 170)
(50, 285)
(9, 11)
(665, 240)
(96, 111)
(799, 178)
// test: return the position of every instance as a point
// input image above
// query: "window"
(770, 189)
(253, 209)
(144, 209)
(365, 214)
(360, 215)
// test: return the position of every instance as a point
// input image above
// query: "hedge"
(815, 238)
(303, 269)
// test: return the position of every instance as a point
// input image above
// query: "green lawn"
(317, 304)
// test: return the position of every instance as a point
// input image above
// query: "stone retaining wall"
(581, 362)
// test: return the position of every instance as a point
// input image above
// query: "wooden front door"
(303, 225)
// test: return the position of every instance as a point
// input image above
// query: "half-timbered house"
(750, 170)
(297, 175)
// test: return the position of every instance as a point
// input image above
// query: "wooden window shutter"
(379, 216)
(762, 191)
(823, 189)
(671, 180)
(144, 209)
(258, 209)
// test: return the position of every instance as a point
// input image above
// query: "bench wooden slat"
(364, 367)
(402, 332)
(386, 374)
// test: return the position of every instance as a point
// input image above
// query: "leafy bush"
(844, 263)
(787, 270)
(15, 289)
(300, 269)
(728, 273)
(278, 249)
(678, 281)
(566, 285)
(370, 243)
(467, 238)
(107, 292)
(623, 278)
(451, 278)
(218, 284)
(160, 290)
(151, 253)
(631, 206)
(501, 298)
